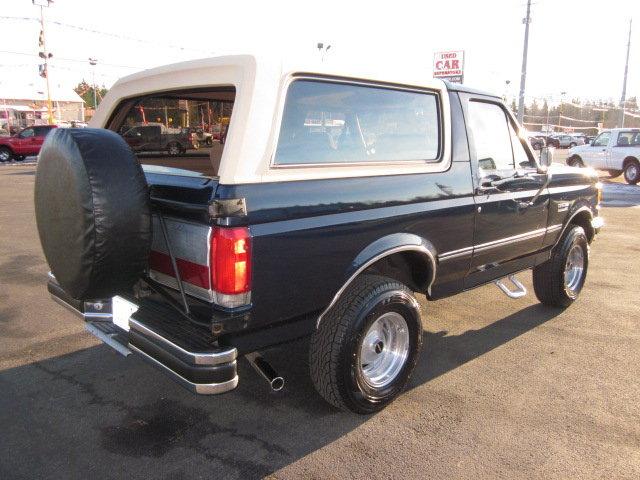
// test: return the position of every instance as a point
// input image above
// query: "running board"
(519, 292)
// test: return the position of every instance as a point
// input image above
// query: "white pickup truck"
(616, 150)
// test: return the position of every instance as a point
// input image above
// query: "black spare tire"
(92, 210)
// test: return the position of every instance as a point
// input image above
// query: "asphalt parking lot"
(505, 388)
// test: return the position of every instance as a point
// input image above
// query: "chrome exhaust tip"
(266, 371)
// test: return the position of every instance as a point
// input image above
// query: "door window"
(490, 129)
(602, 140)
(520, 155)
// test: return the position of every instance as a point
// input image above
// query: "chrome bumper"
(597, 223)
(160, 337)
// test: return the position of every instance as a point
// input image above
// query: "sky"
(575, 46)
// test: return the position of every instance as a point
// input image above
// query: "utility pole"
(44, 54)
(523, 75)
(562, 94)
(624, 82)
(93, 62)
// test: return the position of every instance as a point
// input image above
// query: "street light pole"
(523, 75)
(624, 82)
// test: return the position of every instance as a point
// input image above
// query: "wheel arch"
(581, 217)
(405, 257)
(628, 160)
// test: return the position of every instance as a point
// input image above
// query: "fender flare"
(383, 247)
(574, 214)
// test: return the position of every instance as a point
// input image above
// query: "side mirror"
(546, 156)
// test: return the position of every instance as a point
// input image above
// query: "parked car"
(616, 151)
(564, 141)
(339, 197)
(536, 143)
(158, 138)
(200, 138)
(26, 142)
(581, 138)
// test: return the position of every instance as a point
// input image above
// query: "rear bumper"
(161, 337)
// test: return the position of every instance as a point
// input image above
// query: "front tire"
(632, 172)
(366, 347)
(575, 161)
(174, 149)
(5, 154)
(558, 281)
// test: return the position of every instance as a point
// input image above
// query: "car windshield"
(178, 133)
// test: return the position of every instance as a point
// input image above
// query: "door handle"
(486, 190)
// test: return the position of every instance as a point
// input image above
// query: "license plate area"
(122, 310)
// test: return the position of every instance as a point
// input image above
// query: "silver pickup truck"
(616, 150)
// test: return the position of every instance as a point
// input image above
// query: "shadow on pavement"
(94, 414)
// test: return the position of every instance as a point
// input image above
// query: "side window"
(491, 137)
(520, 155)
(626, 138)
(602, 140)
(325, 122)
(42, 131)
(27, 133)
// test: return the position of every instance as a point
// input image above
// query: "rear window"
(181, 133)
(325, 122)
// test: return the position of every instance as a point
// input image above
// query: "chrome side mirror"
(546, 156)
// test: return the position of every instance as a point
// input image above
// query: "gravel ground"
(505, 388)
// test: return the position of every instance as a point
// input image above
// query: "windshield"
(177, 133)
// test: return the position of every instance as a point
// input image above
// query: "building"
(23, 105)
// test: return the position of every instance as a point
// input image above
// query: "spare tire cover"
(92, 210)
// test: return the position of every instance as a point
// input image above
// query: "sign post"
(449, 66)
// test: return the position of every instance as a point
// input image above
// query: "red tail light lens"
(231, 260)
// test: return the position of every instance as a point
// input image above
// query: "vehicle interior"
(180, 133)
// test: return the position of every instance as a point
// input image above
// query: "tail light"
(231, 266)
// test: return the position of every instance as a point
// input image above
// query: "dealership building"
(24, 105)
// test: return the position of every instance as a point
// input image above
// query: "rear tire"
(632, 172)
(558, 281)
(366, 347)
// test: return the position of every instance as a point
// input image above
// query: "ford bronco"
(337, 197)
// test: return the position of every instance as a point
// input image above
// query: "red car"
(27, 142)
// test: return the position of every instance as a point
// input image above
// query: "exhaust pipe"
(266, 371)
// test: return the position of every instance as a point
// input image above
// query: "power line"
(70, 59)
(108, 34)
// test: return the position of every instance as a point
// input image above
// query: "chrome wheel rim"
(173, 150)
(632, 172)
(574, 269)
(4, 155)
(384, 350)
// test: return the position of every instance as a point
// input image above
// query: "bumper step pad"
(184, 351)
